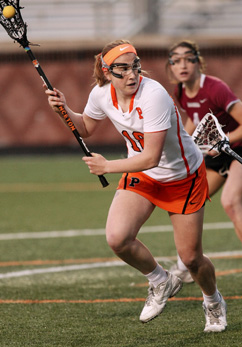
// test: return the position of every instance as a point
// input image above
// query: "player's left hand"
(212, 153)
(96, 164)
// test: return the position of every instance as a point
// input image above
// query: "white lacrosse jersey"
(151, 110)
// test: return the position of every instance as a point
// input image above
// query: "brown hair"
(195, 49)
(98, 74)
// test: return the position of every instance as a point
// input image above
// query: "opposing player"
(164, 168)
(199, 94)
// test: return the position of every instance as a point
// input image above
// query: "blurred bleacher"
(93, 22)
(210, 18)
(88, 21)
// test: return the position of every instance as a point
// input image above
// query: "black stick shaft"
(233, 154)
(63, 112)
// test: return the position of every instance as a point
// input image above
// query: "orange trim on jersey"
(184, 197)
(181, 145)
(115, 52)
(131, 105)
(114, 96)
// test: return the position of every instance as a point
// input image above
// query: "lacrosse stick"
(209, 135)
(17, 30)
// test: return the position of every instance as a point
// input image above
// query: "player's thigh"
(232, 190)
(127, 214)
(188, 231)
(215, 181)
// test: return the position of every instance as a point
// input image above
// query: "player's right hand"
(55, 98)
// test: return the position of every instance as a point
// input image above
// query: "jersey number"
(137, 140)
(196, 119)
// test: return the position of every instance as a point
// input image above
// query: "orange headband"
(115, 52)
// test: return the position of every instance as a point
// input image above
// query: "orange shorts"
(183, 197)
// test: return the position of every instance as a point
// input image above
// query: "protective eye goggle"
(190, 57)
(120, 70)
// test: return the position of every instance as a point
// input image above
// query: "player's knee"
(191, 262)
(115, 242)
(231, 205)
(111, 240)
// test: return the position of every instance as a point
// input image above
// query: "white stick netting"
(209, 134)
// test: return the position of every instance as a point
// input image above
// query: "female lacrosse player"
(164, 168)
(199, 94)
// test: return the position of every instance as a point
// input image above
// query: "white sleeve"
(93, 107)
(157, 110)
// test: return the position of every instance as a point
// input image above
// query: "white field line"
(95, 232)
(115, 263)
(55, 269)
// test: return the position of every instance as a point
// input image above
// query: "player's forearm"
(76, 118)
(137, 163)
(57, 102)
(235, 135)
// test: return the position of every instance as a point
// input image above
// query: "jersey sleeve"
(93, 108)
(222, 95)
(157, 110)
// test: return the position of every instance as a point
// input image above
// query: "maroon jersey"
(213, 96)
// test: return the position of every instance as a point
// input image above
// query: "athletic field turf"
(61, 285)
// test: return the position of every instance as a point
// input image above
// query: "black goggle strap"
(106, 67)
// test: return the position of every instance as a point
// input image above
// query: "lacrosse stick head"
(209, 135)
(15, 26)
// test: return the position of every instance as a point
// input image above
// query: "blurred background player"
(198, 94)
(160, 169)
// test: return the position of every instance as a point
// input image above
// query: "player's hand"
(55, 98)
(97, 164)
(212, 153)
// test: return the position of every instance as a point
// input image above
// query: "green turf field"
(61, 285)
